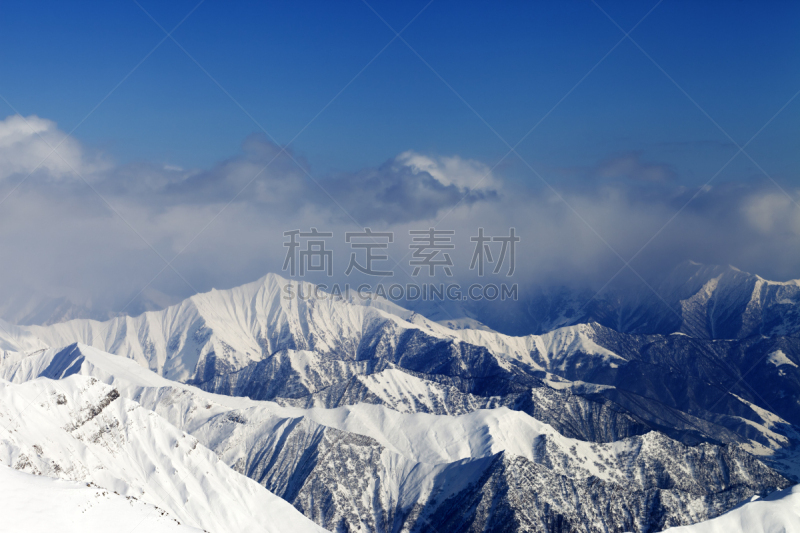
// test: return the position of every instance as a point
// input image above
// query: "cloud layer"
(102, 244)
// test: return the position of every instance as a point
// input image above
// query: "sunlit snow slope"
(777, 513)
(367, 415)
(373, 466)
(81, 429)
(40, 504)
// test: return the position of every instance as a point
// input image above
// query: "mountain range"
(245, 408)
(704, 301)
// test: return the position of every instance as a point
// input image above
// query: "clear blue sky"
(512, 61)
(627, 148)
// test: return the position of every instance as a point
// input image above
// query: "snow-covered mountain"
(703, 301)
(80, 429)
(375, 467)
(777, 513)
(706, 301)
(255, 341)
(365, 415)
(40, 504)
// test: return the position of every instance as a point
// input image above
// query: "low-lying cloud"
(100, 245)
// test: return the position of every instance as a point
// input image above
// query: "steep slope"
(716, 302)
(692, 389)
(255, 341)
(366, 415)
(17, 339)
(726, 303)
(777, 513)
(223, 331)
(80, 429)
(40, 504)
(366, 465)
(703, 301)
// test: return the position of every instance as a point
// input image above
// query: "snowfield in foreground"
(777, 513)
(39, 504)
(80, 429)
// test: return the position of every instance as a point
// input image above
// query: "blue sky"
(175, 155)
(284, 61)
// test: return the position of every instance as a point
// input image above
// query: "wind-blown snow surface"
(777, 513)
(80, 429)
(367, 465)
(39, 504)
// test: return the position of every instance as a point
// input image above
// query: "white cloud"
(61, 238)
(771, 212)
(26, 146)
(452, 170)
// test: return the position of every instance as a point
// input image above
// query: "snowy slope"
(17, 339)
(777, 513)
(373, 466)
(410, 403)
(479, 433)
(224, 331)
(723, 302)
(80, 429)
(248, 323)
(39, 504)
(253, 341)
(230, 328)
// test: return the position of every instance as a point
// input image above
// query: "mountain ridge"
(383, 455)
(331, 402)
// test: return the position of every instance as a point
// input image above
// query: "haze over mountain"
(704, 301)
